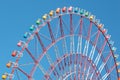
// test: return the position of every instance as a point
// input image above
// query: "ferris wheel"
(66, 44)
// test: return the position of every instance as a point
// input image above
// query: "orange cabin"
(119, 71)
(58, 10)
(119, 78)
(100, 26)
(9, 64)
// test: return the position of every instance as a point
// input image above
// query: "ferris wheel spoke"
(49, 58)
(91, 76)
(61, 69)
(75, 65)
(92, 35)
(104, 63)
(81, 26)
(76, 59)
(44, 36)
(57, 53)
(57, 32)
(83, 73)
(79, 45)
(42, 69)
(79, 72)
(89, 30)
(92, 52)
(65, 26)
(50, 31)
(78, 24)
(62, 35)
(64, 45)
(113, 76)
(108, 73)
(85, 52)
(108, 57)
(31, 55)
(91, 55)
(71, 25)
(70, 67)
(41, 43)
(72, 37)
(27, 64)
(87, 41)
(71, 77)
(100, 53)
(65, 63)
(62, 66)
(87, 69)
(58, 57)
(36, 47)
(61, 26)
(59, 66)
(72, 47)
(87, 73)
(80, 67)
(94, 46)
(84, 33)
(18, 76)
(22, 72)
(93, 71)
(56, 74)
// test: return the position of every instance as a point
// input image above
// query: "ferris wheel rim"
(43, 25)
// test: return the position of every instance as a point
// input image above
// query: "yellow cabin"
(91, 18)
(4, 77)
(44, 17)
(51, 13)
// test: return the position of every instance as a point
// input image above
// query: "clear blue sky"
(17, 15)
